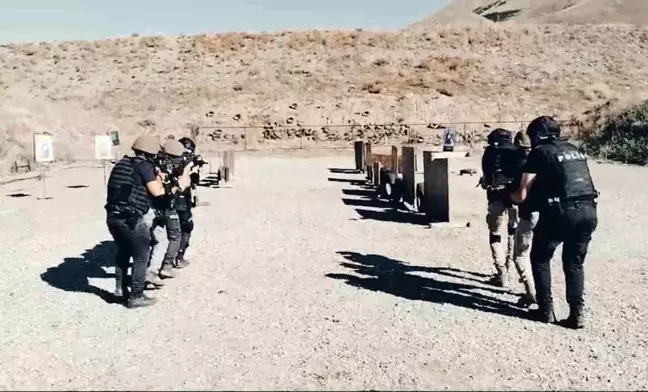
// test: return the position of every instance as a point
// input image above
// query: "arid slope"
(438, 74)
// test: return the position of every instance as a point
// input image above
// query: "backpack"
(499, 157)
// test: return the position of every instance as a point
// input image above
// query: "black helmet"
(500, 137)
(543, 128)
(188, 144)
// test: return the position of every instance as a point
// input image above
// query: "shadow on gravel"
(365, 202)
(209, 181)
(72, 275)
(393, 215)
(375, 208)
(18, 195)
(394, 277)
(343, 171)
(349, 180)
(359, 192)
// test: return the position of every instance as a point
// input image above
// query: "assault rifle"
(172, 167)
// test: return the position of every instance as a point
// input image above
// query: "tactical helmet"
(500, 137)
(173, 148)
(146, 143)
(188, 144)
(543, 128)
(522, 140)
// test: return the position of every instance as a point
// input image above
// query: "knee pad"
(495, 239)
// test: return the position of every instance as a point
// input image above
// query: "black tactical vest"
(570, 178)
(127, 194)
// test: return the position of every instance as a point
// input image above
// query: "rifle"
(198, 161)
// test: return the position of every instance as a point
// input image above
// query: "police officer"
(557, 176)
(502, 215)
(528, 218)
(165, 232)
(132, 182)
(185, 202)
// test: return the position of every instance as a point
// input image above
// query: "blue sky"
(52, 20)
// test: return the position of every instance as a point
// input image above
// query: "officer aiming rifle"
(187, 198)
(166, 230)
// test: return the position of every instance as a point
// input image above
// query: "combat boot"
(544, 313)
(154, 280)
(576, 319)
(501, 278)
(529, 297)
(140, 301)
(181, 262)
(167, 272)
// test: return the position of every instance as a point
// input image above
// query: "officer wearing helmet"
(528, 218)
(557, 177)
(498, 170)
(185, 201)
(132, 183)
(166, 232)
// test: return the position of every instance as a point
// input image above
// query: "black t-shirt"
(145, 172)
(540, 163)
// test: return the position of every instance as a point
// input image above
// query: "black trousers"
(572, 225)
(132, 242)
(186, 227)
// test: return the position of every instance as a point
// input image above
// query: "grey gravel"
(269, 302)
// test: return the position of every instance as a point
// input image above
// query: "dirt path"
(291, 288)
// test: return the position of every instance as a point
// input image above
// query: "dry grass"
(439, 74)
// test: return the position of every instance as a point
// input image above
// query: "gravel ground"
(299, 282)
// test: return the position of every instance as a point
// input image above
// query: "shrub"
(621, 137)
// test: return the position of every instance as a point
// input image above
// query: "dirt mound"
(317, 83)
(541, 11)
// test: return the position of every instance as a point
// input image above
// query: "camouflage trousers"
(523, 240)
(502, 223)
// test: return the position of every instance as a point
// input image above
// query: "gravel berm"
(301, 282)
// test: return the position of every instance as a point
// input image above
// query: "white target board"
(43, 148)
(103, 147)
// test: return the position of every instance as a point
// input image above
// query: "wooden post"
(437, 200)
(358, 148)
(409, 175)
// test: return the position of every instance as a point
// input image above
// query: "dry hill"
(437, 74)
(542, 11)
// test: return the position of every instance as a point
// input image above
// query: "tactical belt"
(574, 199)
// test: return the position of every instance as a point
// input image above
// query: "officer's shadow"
(74, 272)
(379, 273)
